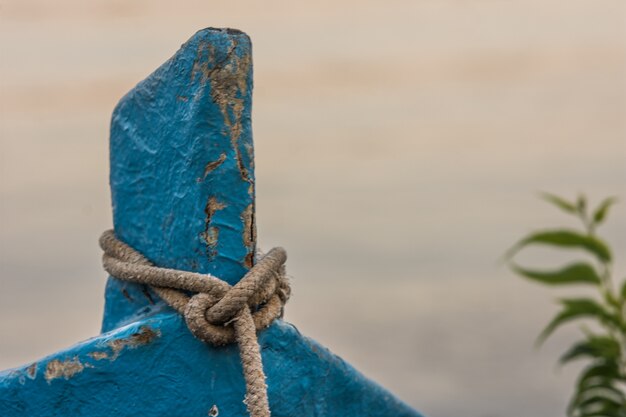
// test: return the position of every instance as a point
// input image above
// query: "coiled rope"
(217, 313)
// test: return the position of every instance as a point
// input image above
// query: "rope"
(218, 313)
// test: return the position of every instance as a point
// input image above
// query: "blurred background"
(400, 146)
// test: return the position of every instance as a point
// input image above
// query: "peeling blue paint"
(182, 181)
(177, 375)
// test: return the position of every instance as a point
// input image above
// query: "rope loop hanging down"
(217, 313)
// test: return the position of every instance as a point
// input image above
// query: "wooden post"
(182, 182)
(182, 170)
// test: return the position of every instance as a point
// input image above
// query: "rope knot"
(262, 292)
(217, 313)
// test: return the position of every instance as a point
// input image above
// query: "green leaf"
(602, 408)
(610, 299)
(559, 202)
(602, 396)
(598, 406)
(600, 214)
(600, 347)
(574, 308)
(600, 370)
(623, 290)
(565, 239)
(578, 273)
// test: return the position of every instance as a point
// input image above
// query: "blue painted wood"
(182, 175)
(182, 181)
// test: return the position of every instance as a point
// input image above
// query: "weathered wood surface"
(182, 180)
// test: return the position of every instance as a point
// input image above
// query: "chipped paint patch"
(249, 234)
(250, 152)
(211, 233)
(146, 292)
(228, 89)
(144, 336)
(211, 166)
(227, 73)
(63, 369)
(201, 66)
(68, 368)
(127, 295)
(98, 355)
(31, 371)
